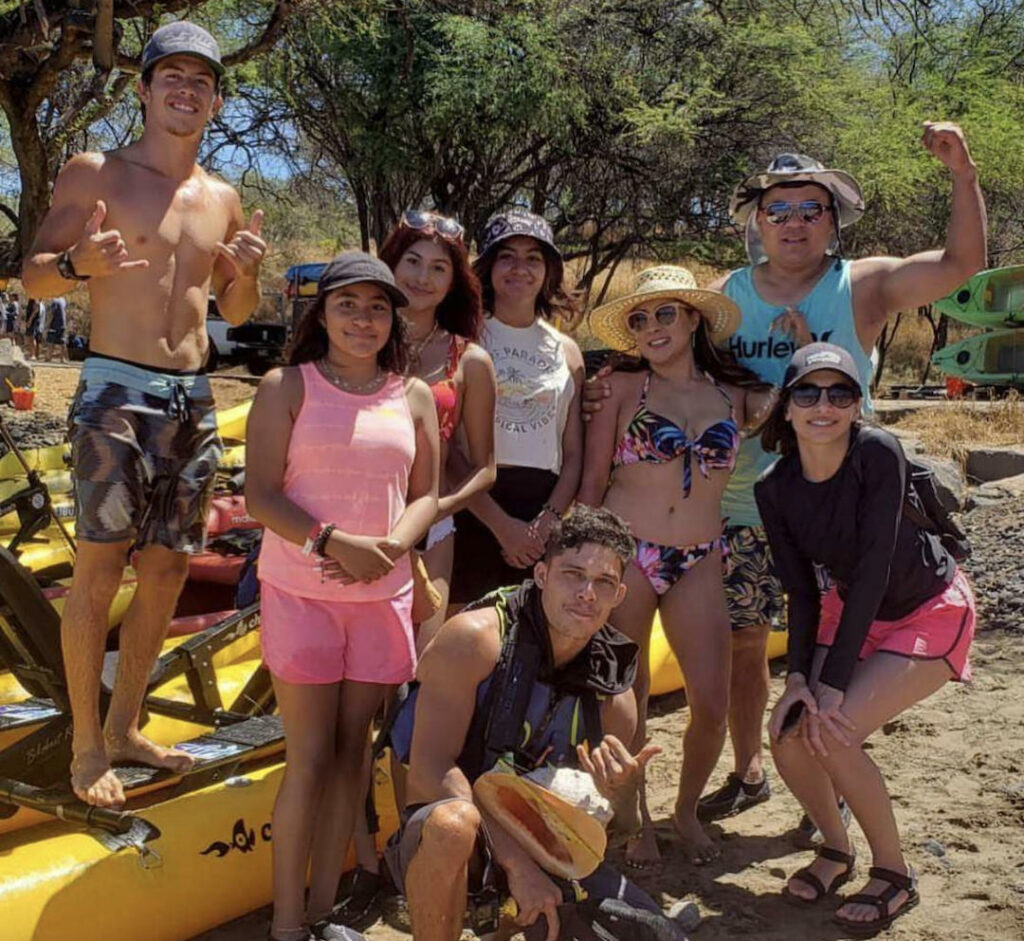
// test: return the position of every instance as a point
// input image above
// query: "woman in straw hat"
(669, 434)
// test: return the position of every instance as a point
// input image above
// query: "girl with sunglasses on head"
(880, 617)
(538, 429)
(669, 435)
(443, 320)
(345, 485)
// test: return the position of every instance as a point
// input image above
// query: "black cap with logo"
(817, 356)
(182, 39)
(355, 267)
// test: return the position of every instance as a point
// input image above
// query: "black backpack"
(923, 507)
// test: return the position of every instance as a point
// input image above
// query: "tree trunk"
(33, 171)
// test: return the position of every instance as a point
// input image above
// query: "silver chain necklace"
(342, 383)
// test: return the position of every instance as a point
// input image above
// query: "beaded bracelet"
(320, 546)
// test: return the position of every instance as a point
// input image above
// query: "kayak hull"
(991, 358)
(991, 299)
(666, 675)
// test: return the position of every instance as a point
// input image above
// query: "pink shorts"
(308, 640)
(940, 629)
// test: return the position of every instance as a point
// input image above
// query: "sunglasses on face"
(780, 212)
(639, 320)
(840, 395)
(444, 226)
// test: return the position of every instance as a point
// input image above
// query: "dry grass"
(950, 429)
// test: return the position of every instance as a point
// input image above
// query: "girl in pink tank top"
(343, 473)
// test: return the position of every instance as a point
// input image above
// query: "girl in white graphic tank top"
(538, 428)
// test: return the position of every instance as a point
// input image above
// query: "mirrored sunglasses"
(444, 226)
(840, 395)
(640, 320)
(780, 212)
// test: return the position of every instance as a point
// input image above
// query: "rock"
(934, 847)
(949, 482)
(996, 490)
(984, 464)
(685, 914)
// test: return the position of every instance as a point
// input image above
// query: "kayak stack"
(994, 301)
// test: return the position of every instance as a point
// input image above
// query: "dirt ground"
(954, 766)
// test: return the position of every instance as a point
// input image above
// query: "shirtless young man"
(153, 233)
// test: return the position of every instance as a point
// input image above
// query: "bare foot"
(642, 850)
(137, 749)
(696, 843)
(94, 782)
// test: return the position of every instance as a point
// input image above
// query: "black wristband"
(320, 544)
(66, 268)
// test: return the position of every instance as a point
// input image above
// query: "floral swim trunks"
(145, 450)
(752, 589)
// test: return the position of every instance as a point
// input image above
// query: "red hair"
(462, 310)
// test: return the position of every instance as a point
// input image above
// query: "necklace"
(416, 348)
(327, 370)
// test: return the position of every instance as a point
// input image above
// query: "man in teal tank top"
(799, 289)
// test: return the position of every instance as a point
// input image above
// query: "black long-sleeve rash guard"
(852, 525)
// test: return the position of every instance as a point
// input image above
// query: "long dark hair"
(310, 343)
(778, 434)
(552, 301)
(462, 310)
(720, 364)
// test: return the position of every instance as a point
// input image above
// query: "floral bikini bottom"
(663, 566)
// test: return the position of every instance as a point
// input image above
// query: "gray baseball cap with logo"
(182, 39)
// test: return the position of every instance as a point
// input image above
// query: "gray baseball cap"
(355, 267)
(182, 39)
(817, 356)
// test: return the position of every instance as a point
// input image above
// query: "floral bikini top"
(651, 437)
(446, 396)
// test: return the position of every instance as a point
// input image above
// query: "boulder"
(949, 481)
(996, 490)
(985, 464)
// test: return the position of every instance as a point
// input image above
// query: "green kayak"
(995, 358)
(993, 298)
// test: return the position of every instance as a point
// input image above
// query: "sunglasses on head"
(840, 395)
(779, 212)
(444, 226)
(665, 315)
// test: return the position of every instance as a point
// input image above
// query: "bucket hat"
(671, 282)
(521, 222)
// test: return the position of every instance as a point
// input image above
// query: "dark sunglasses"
(780, 212)
(840, 395)
(640, 320)
(444, 226)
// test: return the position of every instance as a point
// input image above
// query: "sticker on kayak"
(211, 751)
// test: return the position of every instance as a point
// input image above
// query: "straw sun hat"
(665, 282)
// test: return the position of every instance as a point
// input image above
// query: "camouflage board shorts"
(752, 589)
(145, 449)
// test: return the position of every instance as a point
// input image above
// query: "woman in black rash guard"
(880, 617)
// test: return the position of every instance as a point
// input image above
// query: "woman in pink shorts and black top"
(346, 483)
(894, 626)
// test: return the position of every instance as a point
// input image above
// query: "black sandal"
(806, 876)
(898, 882)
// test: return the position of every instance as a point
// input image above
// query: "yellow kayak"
(57, 457)
(666, 675)
(210, 864)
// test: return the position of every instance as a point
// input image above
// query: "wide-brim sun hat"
(799, 168)
(665, 282)
(521, 222)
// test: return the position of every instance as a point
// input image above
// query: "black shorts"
(145, 451)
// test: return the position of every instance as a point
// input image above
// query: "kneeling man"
(534, 676)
